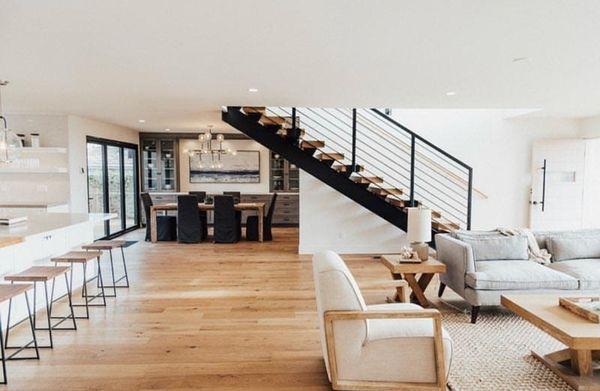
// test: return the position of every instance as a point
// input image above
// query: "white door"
(557, 184)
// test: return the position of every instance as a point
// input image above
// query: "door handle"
(543, 202)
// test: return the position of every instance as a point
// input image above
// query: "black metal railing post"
(412, 169)
(469, 198)
(294, 131)
(353, 140)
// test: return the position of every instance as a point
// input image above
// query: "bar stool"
(111, 245)
(43, 274)
(7, 292)
(83, 257)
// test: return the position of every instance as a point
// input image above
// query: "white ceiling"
(174, 63)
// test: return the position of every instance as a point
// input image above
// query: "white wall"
(79, 128)
(589, 127)
(498, 149)
(332, 221)
(248, 145)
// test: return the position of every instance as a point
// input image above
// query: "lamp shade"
(419, 225)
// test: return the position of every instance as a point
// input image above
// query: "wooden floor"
(202, 316)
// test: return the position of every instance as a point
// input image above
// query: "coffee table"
(409, 271)
(575, 364)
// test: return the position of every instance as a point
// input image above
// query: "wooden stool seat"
(38, 273)
(77, 256)
(8, 291)
(104, 245)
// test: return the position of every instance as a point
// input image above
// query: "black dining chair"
(237, 196)
(166, 226)
(189, 225)
(252, 223)
(228, 224)
(201, 195)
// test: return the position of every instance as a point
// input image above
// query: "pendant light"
(212, 151)
(10, 144)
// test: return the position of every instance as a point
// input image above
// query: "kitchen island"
(41, 237)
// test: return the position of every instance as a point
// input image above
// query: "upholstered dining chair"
(387, 346)
(189, 225)
(252, 223)
(166, 226)
(201, 195)
(228, 227)
(235, 194)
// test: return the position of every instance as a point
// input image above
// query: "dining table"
(259, 207)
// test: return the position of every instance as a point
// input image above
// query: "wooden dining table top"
(205, 206)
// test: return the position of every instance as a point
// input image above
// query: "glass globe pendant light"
(10, 144)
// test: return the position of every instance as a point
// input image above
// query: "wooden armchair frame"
(337, 384)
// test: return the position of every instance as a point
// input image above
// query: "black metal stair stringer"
(318, 169)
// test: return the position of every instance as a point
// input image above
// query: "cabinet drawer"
(285, 220)
(287, 197)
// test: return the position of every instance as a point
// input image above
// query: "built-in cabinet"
(284, 176)
(159, 165)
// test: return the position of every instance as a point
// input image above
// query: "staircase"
(367, 156)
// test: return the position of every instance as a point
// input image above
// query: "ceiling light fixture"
(450, 93)
(10, 143)
(252, 89)
(167, 130)
(520, 59)
(142, 121)
(212, 153)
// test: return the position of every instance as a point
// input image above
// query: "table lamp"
(419, 230)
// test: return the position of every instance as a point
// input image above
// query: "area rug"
(494, 354)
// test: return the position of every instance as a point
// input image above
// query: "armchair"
(399, 346)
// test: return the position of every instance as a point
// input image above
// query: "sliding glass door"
(113, 185)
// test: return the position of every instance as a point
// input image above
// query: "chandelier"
(10, 144)
(211, 153)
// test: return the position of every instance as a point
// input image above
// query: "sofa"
(484, 265)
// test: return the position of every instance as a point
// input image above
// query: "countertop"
(173, 193)
(45, 222)
(33, 205)
(9, 241)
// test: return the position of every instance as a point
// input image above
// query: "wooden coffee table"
(409, 271)
(582, 337)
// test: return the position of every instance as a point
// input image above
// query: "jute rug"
(494, 354)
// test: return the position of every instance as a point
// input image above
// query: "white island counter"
(41, 237)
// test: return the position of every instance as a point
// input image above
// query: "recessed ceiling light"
(520, 59)
(167, 130)
(252, 89)
(450, 93)
(142, 121)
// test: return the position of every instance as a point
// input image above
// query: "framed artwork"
(243, 167)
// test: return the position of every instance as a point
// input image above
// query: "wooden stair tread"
(397, 202)
(446, 226)
(347, 168)
(365, 180)
(435, 214)
(253, 110)
(385, 191)
(268, 120)
(312, 144)
(330, 156)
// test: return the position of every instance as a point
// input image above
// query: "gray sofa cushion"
(566, 248)
(521, 275)
(543, 237)
(498, 248)
(587, 271)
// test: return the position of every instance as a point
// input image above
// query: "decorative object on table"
(34, 140)
(10, 144)
(211, 154)
(587, 307)
(243, 167)
(407, 254)
(12, 220)
(419, 230)
(21, 137)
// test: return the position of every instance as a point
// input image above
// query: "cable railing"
(386, 149)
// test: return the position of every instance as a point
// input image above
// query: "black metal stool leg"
(125, 268)
(35, 344)
(48, 313)
(8, 322)
(3, 355)
(27, 345)
(101, 282)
